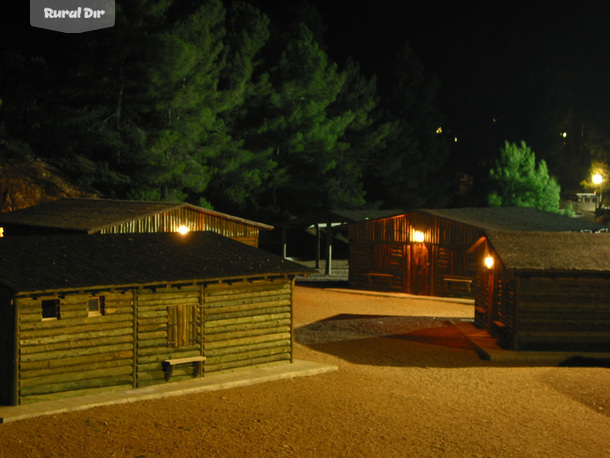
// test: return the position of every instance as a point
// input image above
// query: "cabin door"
(418, 269)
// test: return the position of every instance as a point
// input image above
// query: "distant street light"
(598, 179)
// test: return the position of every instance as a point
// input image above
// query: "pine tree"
(410, 169)
(517, 180)
(306, 138)
(366, 135)
(242, 169)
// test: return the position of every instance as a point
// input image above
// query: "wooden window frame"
(182, 325)
(50, 305)
(101, 306)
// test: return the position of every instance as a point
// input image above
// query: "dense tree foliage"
(517, 180)
(410, 169)
(224, 106)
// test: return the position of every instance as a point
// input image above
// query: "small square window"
(96, 306)
(50, 309)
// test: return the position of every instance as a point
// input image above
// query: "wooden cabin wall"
(157, 333)
(377, 266)
(76, 354)
(375, 247)
(564, 312)
(235, 325)
(247, 324)
(496, 305)
(196, 221)
(7, 348)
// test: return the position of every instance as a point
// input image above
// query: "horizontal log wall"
(236, 326)
(564, 313)
(152, 334)
(247, 324)
(7, 348)
(76, 354)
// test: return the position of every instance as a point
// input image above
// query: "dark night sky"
(525, 65)
(502, 57)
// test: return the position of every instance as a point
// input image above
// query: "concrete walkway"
(299, 368)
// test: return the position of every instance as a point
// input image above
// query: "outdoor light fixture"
(183, 229)
(598, 179)
(418, 236)
(489, 262)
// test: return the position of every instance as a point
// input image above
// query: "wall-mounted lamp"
(489, 262)
(418, 236)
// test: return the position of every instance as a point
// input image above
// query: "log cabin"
(425, 252)
(84, 314)
(544, 291)
(107, 216)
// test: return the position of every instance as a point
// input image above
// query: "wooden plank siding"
(496, 306)
(385, 246)
(170, 221)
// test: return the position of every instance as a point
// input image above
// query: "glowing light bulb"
(183, 229)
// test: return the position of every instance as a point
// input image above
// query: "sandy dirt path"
(408, 384)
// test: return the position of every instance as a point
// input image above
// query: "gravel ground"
(408, 384)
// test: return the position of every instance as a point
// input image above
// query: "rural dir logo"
(72, 16)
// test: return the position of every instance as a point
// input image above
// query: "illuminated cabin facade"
(85, 314)
(104, 216)
(426, 252)
(544, 291)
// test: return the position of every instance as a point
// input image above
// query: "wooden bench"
(372, 275)
(169, 364)
(465, 281)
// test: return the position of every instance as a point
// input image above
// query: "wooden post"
(134, 358)
(329, 246)
(292, 282)
(284, 242)
(317, 245)
(201, 329)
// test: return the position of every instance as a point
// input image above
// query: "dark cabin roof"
(92, 215)
(339, 217)
(513, 219)
(68, 262)
(552, 251)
